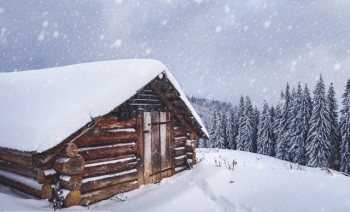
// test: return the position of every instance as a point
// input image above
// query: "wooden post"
(140, 149)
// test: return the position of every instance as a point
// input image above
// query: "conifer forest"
(303, 128)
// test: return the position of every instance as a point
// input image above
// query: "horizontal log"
(178, 142)
(179, 152)
(69, 150)
(106, 182)
(22, 158)
(72, 183)
(180, 161)
(104, 152)
(72, 198)
(91, 171)
(180, 169)
(190, 149)
(100, 160)
(20, 186)
(108, 192)
(27, 171)
(105, 138)
(70, 166)
(114, 123)
(179, 132)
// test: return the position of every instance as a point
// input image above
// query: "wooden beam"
(106, 138)
(91, 171)
(169, 105)
(14, 156)
(105, 152)
(140, 149)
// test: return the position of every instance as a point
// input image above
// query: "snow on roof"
(40, 108)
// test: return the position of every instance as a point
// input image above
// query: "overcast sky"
(218, 49)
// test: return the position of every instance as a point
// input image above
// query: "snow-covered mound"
(257, 183)
(40, 108)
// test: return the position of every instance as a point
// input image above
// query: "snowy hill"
(257, 183)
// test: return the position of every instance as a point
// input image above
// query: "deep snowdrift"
(257, 183)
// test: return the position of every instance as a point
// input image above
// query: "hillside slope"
(257, 183)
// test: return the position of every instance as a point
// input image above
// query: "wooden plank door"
(157, 148)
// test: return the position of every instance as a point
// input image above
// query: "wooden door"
(157, 146)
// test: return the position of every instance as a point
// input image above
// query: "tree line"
(302, 129)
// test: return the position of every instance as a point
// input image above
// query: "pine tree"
(318, 147)
(255, 128)
(240, 124)
(223, 131)
(282, 144)
(265, 144)
(335, 130)
(248, 126)
(212, 133)
(306, 108)
(231, 133)
(276, 122)
(273, 120)
(345, 131)
(295, 131)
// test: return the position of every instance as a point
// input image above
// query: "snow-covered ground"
(257, 183)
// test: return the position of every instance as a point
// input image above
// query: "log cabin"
(98, 129)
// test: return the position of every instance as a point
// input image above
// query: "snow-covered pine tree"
(248, 126)
(240, 124)
(273, 119)
(212, 133)
(306, 108)
(295, 131)
(223, 131)
(318, 145)
(345, 131)
(230, 130)
(255, 128)
(265, 143)
(335, 130)
(282, 144)
(276, 122)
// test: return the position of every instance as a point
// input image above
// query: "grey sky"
(218, 49)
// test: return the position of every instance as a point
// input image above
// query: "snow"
(45, 106)
(257, 183)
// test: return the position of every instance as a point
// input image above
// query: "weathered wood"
(190, 148)
(147, 147)
(73, 183)
(180, 132)
(156, 151)
(46, 191)
(105, 152)
(69, 150)
(20, 186)
(169, 105)
(180, 161)
(170, 135)
(140, 148)
(70, 166)
(107, 182)
(180, 169)
(100, 160)
(14, 156)
(179, 152)
(72, 198)
(114, 123)
(180, 142)
(106, 138)
(27, 171)
(108, 192)
(91, 171)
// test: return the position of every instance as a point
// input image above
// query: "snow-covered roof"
(40, 108)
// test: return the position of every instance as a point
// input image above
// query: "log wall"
(105, 160)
